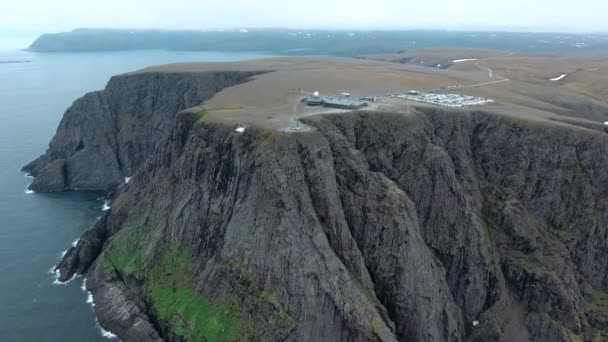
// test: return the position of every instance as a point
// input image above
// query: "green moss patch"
(599, 301)
(126, 253)
(183, 312)
(175, 300)
(200, 114)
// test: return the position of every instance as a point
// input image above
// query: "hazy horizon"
(22, 22)
(14, 40)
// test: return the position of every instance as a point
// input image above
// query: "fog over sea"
(35, 90)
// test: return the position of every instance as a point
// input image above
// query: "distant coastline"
(314, 42)
(12, 62)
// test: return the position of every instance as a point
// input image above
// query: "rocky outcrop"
(105, 135)
(428, 226)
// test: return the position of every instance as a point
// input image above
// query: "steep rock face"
(511, 208)
(428, 226)
(105, 135)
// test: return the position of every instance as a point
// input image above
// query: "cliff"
(105, 135)
(430, 225)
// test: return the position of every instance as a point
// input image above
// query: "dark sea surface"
(36, 228)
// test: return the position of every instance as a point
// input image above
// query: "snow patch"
(559, 78)
(127, 179)
(475, 323)
(240, 129)
(464, 60)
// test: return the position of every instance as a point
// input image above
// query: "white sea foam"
(106, 205)
(63, 254)
(106, 333)
(464, 60)
(75, 242)
(58, 282)
(28, 191)
(559, 78)
(90, 298)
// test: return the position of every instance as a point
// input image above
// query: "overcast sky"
(25, 19)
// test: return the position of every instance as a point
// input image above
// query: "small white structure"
(240, 129)
(316, 93)
(345, 94)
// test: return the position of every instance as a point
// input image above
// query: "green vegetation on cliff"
(186, 313)
(176, 301)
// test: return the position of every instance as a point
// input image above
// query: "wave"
(57, 274)
(90, 300)
(107, 334)
(106, 205)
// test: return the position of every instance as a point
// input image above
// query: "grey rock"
(428, 226)
(105, 135)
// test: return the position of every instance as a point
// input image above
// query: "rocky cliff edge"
(431, 225)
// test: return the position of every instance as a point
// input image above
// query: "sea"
(35, 229)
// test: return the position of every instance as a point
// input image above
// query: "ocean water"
(36, 228)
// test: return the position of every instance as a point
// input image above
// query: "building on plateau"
(334, 102)
(314, 101)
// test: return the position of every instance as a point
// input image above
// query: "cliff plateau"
(424, 224)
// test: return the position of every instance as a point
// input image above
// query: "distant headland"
(313, 42)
